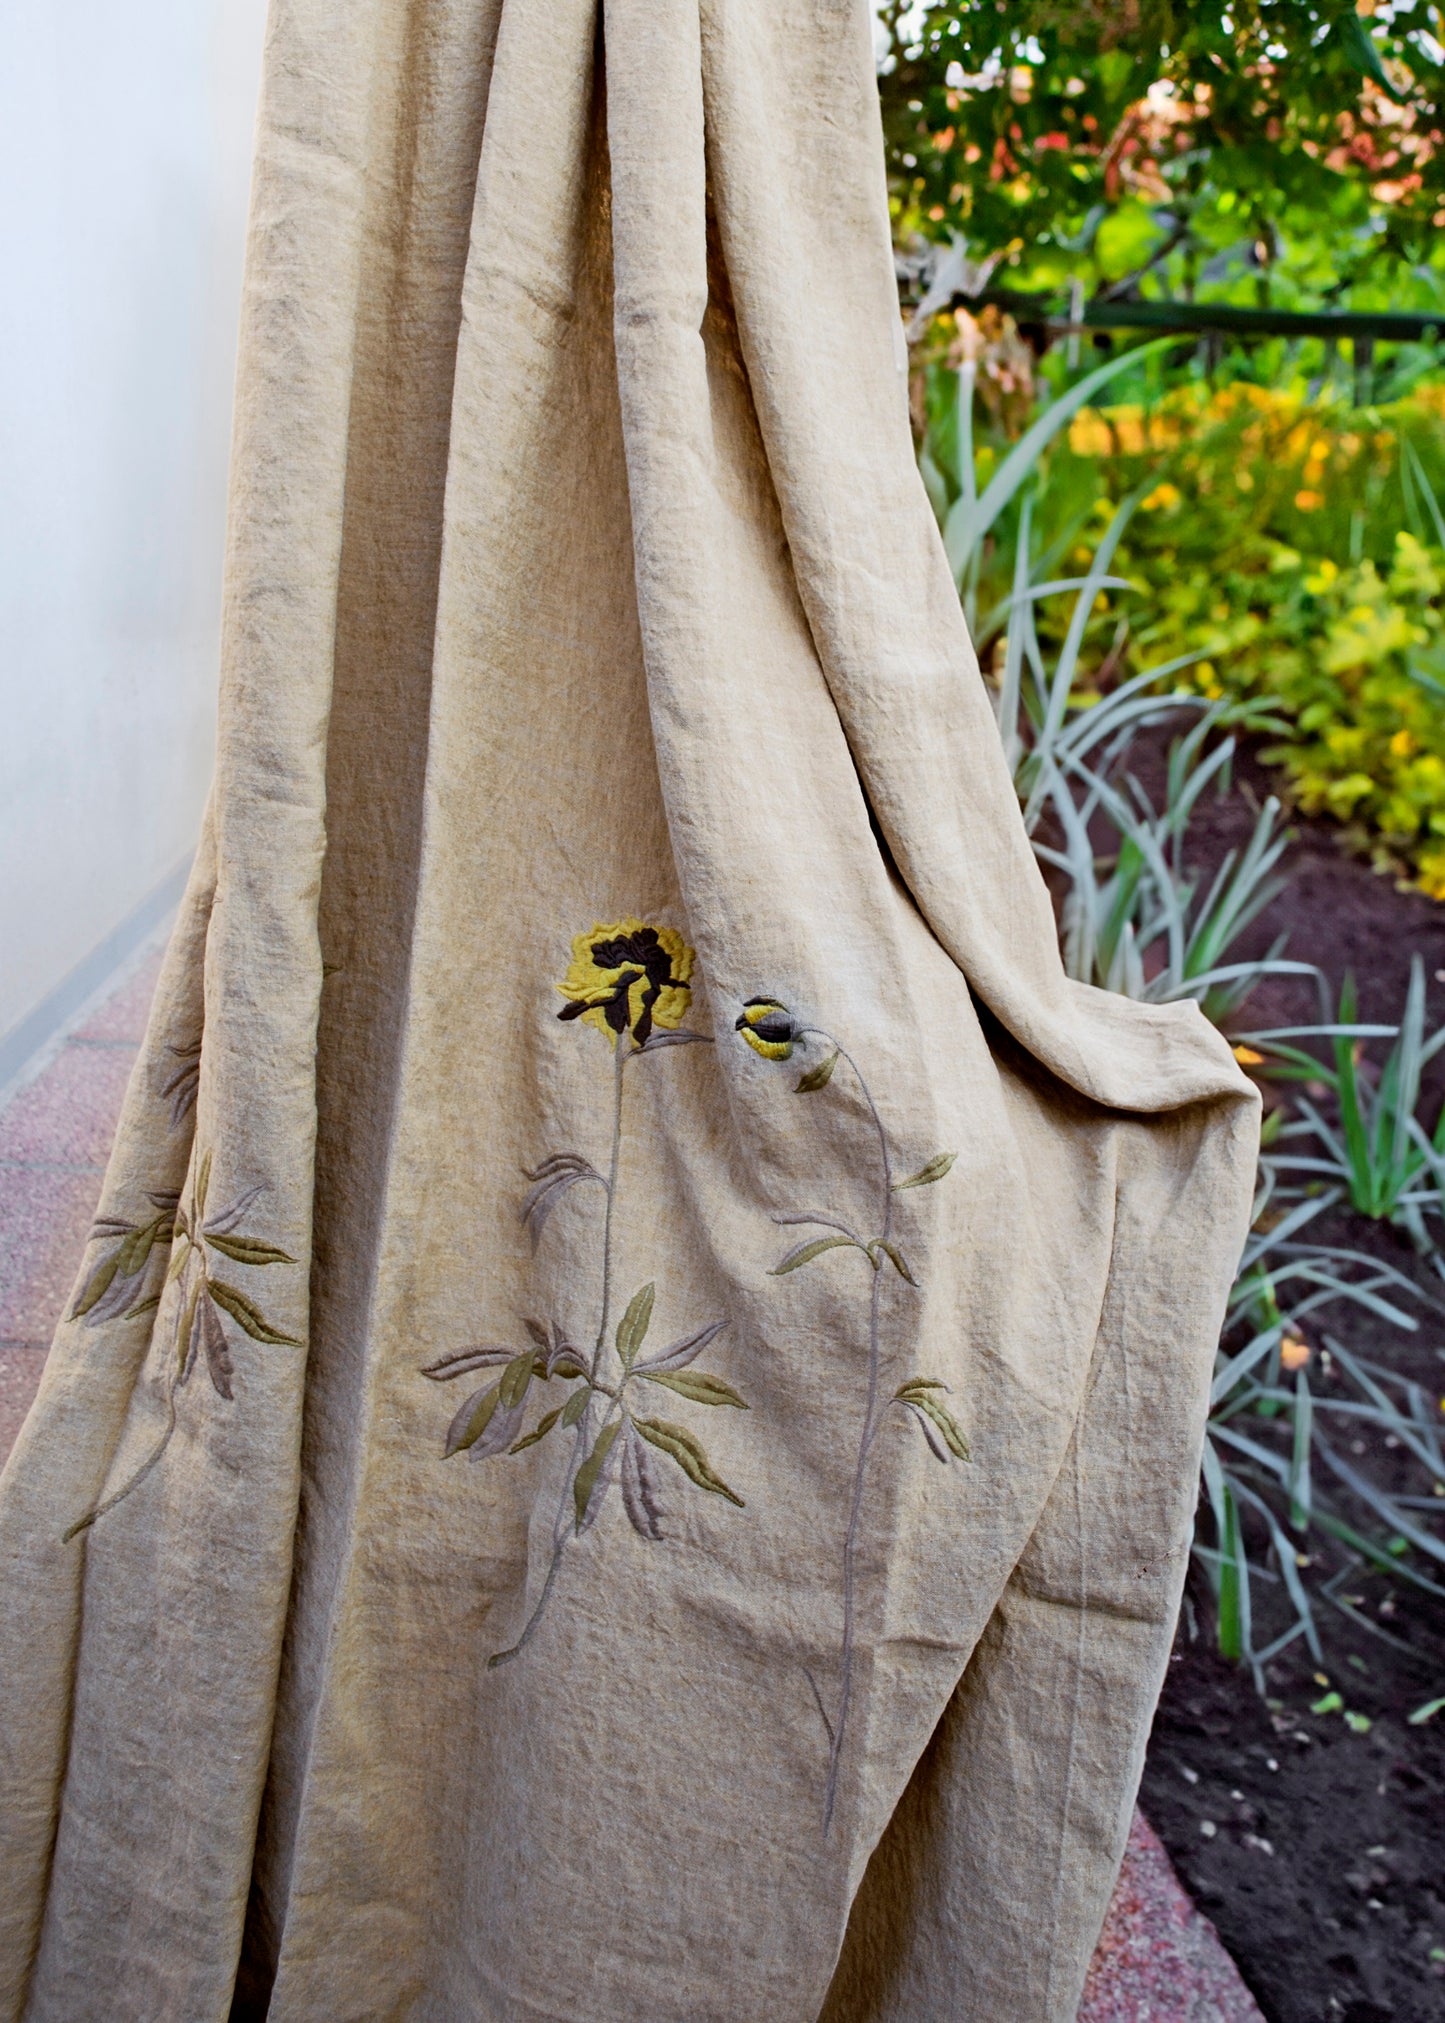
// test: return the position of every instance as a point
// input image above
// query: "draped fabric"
(625, 1441)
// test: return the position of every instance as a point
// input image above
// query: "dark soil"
(1336, 910)
(1325, 1869)
(1314, 1841)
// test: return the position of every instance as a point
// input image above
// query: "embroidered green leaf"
(145, 1306)
(188, 1338)
(689, 1454)
(218, 1355)
(938, 1165)
(516, 1379)
(677, 1355)
(136, 1248)
(484, 1356)
(587, 1474)
(203, 1181)
(693, 1384)
(539, 1432)
(248, 1250)
(178, 1258)
(249, 1315)
(641, 1497)
(916, 1384)
(471, 1421)
(576, 1405)
(632, 1328)
(817, 1078)
(568, 1365)
(930, 1408)
(96, 1285)
(895, 1256)
(806, 1252)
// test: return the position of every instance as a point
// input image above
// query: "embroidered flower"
(769, 1028)
(628, 977)
(625, 978)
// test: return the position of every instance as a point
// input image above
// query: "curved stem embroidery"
(630, 981)
(116, 1287)
(771, 1030)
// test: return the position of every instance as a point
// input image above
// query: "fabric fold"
(668, 1338)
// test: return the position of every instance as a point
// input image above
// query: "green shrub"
(1291, 551)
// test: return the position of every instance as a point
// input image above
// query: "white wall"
(125, 134)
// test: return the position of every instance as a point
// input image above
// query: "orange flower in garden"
(1247, 1057)
(1293, 1353)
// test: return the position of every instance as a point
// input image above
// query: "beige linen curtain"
(625, 1442)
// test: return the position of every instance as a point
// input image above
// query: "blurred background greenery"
(1055, 167)
(1173, 275)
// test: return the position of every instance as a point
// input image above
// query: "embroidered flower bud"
(769, 1028)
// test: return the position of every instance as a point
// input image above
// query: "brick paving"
(55, 1134)
(1159, 1960)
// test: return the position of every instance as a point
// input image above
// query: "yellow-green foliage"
(1295, 547)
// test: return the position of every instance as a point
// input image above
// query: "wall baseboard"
(24, 1048)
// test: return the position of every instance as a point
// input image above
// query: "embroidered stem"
(601, 1349)
(562, 1528)
(771, 1030)
(151, 1460)
(871, 1421)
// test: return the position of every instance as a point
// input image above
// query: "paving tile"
(124, 1013)
(67, 1115)
(20, 1367)
(45, 1215)
(1159, 1959)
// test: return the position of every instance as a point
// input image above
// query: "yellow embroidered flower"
(768, 1027)
(628, 977)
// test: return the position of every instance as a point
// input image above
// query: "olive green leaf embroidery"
(182, 1083)
(772, 1031)
(630, 982)
(119, 1284)
(194, 1241)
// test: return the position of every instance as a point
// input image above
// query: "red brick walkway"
(1159, 1960)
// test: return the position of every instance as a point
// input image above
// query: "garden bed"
(1314, 1847)
(1309, 1824)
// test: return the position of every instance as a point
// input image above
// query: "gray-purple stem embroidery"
(771, 1030)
